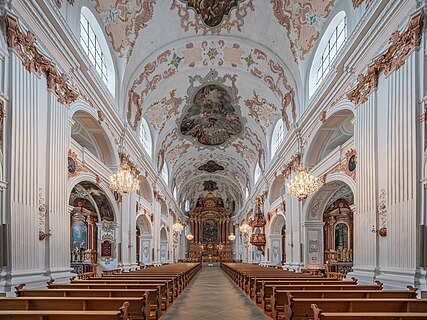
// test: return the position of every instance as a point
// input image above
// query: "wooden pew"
(279, 301)
(89, 296)
(151, 297)
(300, 308)
(263, 287)
(319, 314)
(122, 314)
(167, 289)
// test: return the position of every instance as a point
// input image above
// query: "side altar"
(210, 225)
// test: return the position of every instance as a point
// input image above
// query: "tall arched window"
(95, 46)
(187, 205)
(246, 192)
(165, 173)
(332, 42)
(277, 137)
(145, 137)
(257, 173)
(175, 193)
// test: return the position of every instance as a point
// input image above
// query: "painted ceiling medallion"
(212, 12)
(211, 167)
(211, 117)
(210, 186)
(212, 15)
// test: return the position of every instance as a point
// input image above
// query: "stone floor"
(212, 295)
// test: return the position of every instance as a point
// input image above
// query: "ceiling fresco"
(211, 167)
(212, 116)
(212, 16)
(212, 12)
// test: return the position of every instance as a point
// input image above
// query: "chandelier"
(302, 184)
(125, 180)
(232, 237)
(244, 228)
(177, 227)
(189, 237)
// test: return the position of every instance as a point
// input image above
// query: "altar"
(210, 226)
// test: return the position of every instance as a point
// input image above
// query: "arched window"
(95, 46)
(145, 136)
(165, 173)
(257, 173)
(175, 193)
(246, 192)
(277, 137)
(329, 47)
(187, 205)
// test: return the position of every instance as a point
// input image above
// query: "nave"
(212, 295)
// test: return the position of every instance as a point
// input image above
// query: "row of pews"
(141, 294)
(283, 294)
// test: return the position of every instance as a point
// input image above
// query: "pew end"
(316, 312)
(379, 284)
(18, 288)
(124, 311)
(412, 289)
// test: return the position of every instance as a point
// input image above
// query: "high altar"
(210, 225)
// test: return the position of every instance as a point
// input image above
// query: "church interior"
(213, 159)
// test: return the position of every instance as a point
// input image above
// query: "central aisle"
(212, 295)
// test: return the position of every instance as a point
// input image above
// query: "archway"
(144, 240)
(277, 248)
(164, 248)
(89, 134)
(145, 190)
(328, 228)
(92, 224)
(335, 131)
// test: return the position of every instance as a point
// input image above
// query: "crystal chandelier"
(125, 180)
(244, 228)
(232, 237)
(189, 237)
(302, 184)
(177, 227)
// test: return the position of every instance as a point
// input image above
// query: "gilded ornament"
(401, 46)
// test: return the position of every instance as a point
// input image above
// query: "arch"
(145, 137)
(89, 177)
(277, 224)
(144, 239)
(88, 133)
(277, 248)
(317, 201)
(276, 188)
(145, 190)
(334, 131)
(313, 84)
(314, 214)
(163, 208)
(164, 245)
(86, 16)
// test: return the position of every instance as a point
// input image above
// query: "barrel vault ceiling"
(211, 78)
